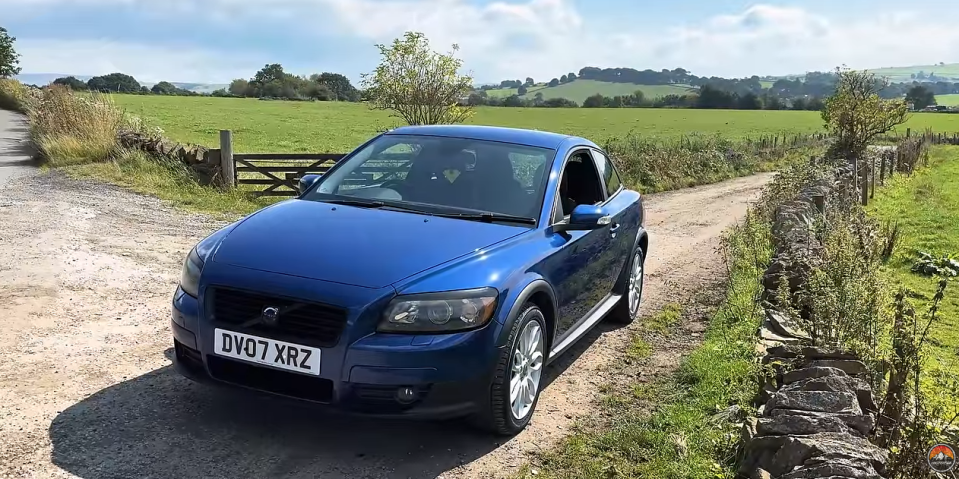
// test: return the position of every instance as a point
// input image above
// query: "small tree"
(9, 59)
(920, 97)
(855, 115)
(419, 85)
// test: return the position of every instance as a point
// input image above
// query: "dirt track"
(86, 388)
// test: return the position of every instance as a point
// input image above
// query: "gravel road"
(86, 389)
(15, 153)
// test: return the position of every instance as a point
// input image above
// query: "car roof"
(541, 139)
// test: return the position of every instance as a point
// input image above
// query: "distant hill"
(41, 79)
(943, 71)
(579, 90)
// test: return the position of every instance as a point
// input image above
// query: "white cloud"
(147, 63)
(555, 38)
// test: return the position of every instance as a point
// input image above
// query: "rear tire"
(517, 378)
(627, 309)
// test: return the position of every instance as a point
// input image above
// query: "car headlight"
(190, 276)
(439, 312)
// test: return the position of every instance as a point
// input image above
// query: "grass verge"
(166, 180)
(925, 206)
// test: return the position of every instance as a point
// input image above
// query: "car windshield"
(442, 175)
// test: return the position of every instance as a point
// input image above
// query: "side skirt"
(592, 319)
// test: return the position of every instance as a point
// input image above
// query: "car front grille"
(311, 324)
(271, 380)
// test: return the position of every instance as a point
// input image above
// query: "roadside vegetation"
(688, 425)
(681, 427)
(924, 211)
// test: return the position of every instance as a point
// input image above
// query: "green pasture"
(579, 90)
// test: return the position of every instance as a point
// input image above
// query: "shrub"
(654, 165)
(71, 128)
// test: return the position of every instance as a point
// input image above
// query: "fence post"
(227, 167)
(908, 132)
(872, 170)
(882, 171)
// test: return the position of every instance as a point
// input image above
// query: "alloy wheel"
(526, 370)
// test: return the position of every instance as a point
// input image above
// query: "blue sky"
(215, 41)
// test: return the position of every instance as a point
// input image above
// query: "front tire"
(515, 388)
(627, 309)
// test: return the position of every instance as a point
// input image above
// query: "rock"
(769, 336)
(783, 325)
(837, 383)
(850, 367)
(796, 450)
(760, 473)
(758, 453)
(749, 429)
(817, 401)
(811, 372)
(834, 469)
(797, 425)
(767, 391)
(811, 352)
(784, 352)
(861, 423)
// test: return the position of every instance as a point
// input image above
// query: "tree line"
(270, 82)
(273, 82)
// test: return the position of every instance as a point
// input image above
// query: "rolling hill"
(579, 90)
(948, 72)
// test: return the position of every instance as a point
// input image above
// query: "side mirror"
(306, 182)
(585, 217)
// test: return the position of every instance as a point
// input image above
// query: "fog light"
(406, 395)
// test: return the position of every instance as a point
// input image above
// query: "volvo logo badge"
(270, 315)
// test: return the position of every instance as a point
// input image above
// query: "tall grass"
(71, 128)
(659, 165)
(13, 95)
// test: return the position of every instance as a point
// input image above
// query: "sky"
(215, 41)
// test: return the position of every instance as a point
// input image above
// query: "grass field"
(579, 90)
(281, 127)
(947, 100)
(926, 207)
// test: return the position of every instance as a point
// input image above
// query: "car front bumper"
(450, 374)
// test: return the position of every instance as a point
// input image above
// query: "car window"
(445, 173)
(608, 172)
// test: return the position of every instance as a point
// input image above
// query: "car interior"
(462, 177)
(579, 185)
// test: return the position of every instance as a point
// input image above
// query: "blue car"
(431, 273)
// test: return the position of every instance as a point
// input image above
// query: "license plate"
(269, 352)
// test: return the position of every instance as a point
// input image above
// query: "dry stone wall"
(817, 411)
(203, 162)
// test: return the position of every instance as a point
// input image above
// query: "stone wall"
(816, 410)
(203, 162)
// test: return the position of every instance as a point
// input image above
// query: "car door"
(579, 280)
(623, 225)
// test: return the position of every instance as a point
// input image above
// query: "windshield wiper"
(364, 203)
(356, 202)
(489, 217)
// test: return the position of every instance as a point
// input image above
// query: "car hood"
(364, 247)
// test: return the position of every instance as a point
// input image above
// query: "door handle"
(614, 227)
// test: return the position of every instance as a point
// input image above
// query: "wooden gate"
(279, 173)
